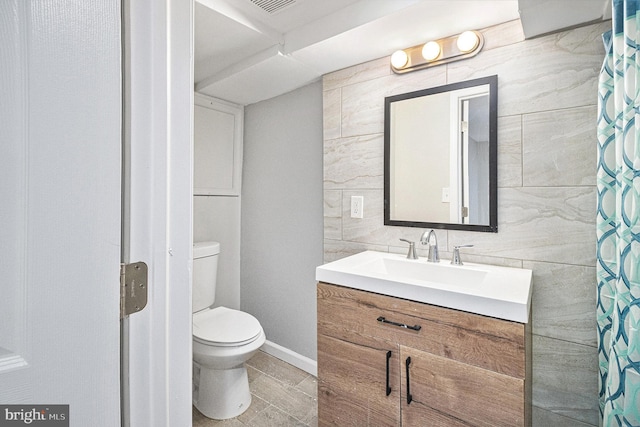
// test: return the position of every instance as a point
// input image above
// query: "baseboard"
(291, 357)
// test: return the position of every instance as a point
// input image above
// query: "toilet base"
(221, 394)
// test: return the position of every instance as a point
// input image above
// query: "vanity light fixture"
(437, 52)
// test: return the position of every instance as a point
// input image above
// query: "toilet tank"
(205, 270)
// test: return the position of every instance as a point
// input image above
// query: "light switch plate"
(445, 194)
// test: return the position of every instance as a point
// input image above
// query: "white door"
(60, 215)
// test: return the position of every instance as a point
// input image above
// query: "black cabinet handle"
(388, 386)
(409, 397)
(402, 325)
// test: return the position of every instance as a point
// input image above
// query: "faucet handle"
(456, 260)
(412, 249)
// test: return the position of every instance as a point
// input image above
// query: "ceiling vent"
(273, 6)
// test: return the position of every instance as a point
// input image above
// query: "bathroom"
(305, 153)
(299, 174)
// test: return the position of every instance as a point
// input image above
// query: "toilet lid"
(224, 326)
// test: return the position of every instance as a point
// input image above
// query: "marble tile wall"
(546, 178)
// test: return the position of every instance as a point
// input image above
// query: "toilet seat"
(225, 327)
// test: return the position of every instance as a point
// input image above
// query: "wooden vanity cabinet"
(460, 369)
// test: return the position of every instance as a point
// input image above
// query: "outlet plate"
(357, 206)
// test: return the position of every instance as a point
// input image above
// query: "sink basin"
(500, 292)
(442, 273)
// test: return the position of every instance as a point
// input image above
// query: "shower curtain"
(618, 224)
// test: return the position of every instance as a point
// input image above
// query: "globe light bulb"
(431, 51)
(399, 59)
(467, 41)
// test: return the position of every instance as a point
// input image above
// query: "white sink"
(441, 272)
(500, 292)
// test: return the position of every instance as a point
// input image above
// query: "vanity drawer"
(489, 343)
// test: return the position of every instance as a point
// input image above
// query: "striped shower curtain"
(618, 220)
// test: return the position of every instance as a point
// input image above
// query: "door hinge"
(465, 212)
(133, 288)
(464, 126)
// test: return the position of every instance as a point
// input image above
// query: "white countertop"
(500, 292)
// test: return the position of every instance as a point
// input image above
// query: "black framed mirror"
(441, 157)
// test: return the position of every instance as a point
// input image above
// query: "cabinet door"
(352, 384)
(446, 392)
(217, 145)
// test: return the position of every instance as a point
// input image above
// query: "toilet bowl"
(223, 339)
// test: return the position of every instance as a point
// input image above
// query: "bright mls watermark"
(34, 415)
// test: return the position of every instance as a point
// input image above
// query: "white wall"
(217, 218)
(218, 133)
(282, 224)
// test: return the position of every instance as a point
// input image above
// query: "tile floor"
(282, 396)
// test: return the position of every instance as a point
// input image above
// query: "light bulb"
(399, 59)
(430, 51)
(467, 41)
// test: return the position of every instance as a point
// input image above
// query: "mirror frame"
(492, 227)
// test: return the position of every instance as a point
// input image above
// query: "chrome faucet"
(425, 239)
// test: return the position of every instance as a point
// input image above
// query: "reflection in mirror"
(441, 157)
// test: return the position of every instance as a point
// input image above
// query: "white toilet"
(223, 339)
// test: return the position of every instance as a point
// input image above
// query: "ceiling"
(247, 51)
